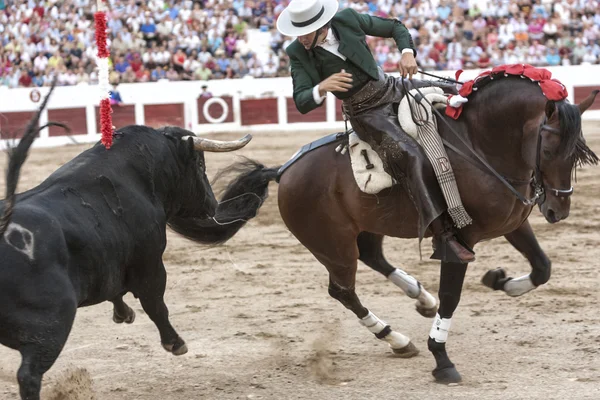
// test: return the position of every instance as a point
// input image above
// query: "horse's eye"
(547, 154)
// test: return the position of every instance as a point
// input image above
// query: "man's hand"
(339, 82)
(408, 65)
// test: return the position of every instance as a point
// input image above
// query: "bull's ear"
(588, 101)
(550, 108)
(190, 142)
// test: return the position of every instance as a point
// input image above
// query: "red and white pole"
(106, 126)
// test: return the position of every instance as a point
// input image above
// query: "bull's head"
(206, 194)
(194, 198)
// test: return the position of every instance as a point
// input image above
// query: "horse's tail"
(240, 202)
(16, 158)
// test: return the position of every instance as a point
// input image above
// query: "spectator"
(205, 94)
(157, 74)
(202, 73)
(552, 58)
(115, 96)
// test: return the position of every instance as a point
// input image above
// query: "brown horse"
(533, 143)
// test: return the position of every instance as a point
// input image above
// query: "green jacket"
(351, 29)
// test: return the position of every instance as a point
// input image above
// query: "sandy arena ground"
(259, 323)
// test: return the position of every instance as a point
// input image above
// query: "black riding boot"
(446, 245)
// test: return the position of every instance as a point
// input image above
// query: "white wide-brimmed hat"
(305, 16)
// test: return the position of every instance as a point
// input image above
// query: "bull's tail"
(16, 158)
(240, 202)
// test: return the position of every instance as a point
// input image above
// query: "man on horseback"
(331, 55)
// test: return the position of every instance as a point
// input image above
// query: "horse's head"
(560, 149)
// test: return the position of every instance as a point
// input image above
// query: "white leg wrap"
(373, 324)
(440, 328)
(426, 299)
(397, 340)
(376, 326)
(407, 283)
(518, 286)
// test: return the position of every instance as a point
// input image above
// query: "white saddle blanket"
(375, 179)
(372, 180)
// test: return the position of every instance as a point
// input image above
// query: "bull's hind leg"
(370, 246)
(42, 338)
(121, 311)
(150, 289)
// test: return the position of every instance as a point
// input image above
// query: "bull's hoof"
(426, 312)
(408, 351)
(446, 375)
(494, 279)
(128, 319)
(176, 349)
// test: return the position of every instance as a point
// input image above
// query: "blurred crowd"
(153, 40)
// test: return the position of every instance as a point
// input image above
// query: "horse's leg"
(451, 281)
(341, 287)
(371, 253)
(524, 240)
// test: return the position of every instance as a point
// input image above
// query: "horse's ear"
(588, 101)
(550, 108)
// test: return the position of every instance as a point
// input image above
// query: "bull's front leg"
(150, 289)
(524, 240)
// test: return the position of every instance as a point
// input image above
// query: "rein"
(441, 77)
(539, 188)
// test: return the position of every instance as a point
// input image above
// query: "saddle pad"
(369, 179)
(369, 175)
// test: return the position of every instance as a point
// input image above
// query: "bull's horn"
(588, 101)
(202, 144)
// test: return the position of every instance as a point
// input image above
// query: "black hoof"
(446, 375)
(426, 312)
(179, 348)
(494, 279)
(128, 319)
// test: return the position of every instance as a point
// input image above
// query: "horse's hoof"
(426, 312)
(494, 278)
(128, 319)
(408, 351)
(176, 349)
(446, 375)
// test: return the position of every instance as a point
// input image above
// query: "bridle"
(537, 182)
(540, 188)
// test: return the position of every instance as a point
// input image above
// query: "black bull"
(96, 229)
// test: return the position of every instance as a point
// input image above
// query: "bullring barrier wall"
(238, 105)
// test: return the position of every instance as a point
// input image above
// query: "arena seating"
(208, 39)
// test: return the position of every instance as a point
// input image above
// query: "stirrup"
(443, 252)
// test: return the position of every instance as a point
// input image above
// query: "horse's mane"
(572, 142)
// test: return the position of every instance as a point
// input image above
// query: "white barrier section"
(582, 78)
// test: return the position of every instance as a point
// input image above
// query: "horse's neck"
(503, 134)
